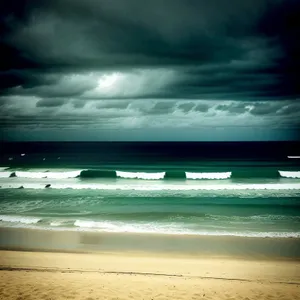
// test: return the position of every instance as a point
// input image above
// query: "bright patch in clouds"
(109, 83)
(137, 83)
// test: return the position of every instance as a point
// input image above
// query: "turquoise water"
(159, 191)
(244, 213)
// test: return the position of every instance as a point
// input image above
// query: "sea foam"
(171, 229)
(19, 219)
(149, 227)
(157, 187)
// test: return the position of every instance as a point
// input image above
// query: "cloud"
(202, 107)
(161, 108)
(112, 104)
(50, 102)
(105, 114)
(78, 103)
(133, 84)
(186, 107)
(235, 108)
(93, 32)
(289, 109)
(264, 109)
(233, 51)
(173, 63)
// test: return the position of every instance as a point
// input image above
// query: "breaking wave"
(289, 174)
(5, 174)
(47, 174)
(161, 175)
(141, 175)
(219, 175)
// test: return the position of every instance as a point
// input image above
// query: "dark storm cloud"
(3, 101)
(48, 121)
(78, 104)
(109, 33)
(20, 77)
(234, 108)
(276, 108)
(186, 107)
(172, 63)
(50, 102)
(54, 119)
(62, 114)
(291, 109)
(113, 104)
(162, 108)
(248, 49)
(202, 107)
(263, 109)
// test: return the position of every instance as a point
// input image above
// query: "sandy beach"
(48, 275)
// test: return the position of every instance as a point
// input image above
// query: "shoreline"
(258, 248)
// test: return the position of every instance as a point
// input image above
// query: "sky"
(159, 70)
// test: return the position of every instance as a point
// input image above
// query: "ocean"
(245, 189)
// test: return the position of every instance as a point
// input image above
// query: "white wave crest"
(218, 175)
(52, 175)
(5, 174)
(290, 174)
(19, 219)
(141, 175)
(3, 168)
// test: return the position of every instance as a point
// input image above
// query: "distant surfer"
(47, 186)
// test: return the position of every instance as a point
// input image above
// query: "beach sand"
(129, 275)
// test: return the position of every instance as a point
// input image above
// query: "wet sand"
(206, 246)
